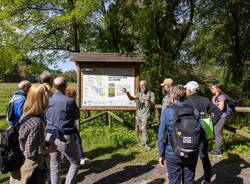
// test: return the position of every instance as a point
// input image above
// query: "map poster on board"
(103, 86)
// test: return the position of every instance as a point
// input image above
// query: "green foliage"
(236, 143)
(40, 28)
(221, 37)
(117, 135)
(9, 58)
(70, 76)
(185, 40)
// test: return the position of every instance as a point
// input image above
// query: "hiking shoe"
(85, 161)
(216, 154)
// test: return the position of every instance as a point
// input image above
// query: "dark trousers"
(181, 169)
(79, 142)
(218, 128)
(207, 168)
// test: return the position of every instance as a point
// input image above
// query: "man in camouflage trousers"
(145, 101)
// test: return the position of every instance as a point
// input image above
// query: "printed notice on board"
(103, 86)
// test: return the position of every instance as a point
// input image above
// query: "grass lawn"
(6, 93)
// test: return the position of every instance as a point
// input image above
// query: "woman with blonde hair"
(32, 137)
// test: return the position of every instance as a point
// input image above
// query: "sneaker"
(204, 182)
(216, 154)
(85, 161)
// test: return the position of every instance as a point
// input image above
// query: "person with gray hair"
(61, 114)
(19, 99)
(205, 107)
(45, 77)
(145, 100)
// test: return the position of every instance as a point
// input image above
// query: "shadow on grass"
(99, 166)
(102, 165)
(101, 151)
(232, 142)
(127, 173)
(228, 171)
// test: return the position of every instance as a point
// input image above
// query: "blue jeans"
(181, 169)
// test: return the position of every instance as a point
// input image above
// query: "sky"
(65, 66)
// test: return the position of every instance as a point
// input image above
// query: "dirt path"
(233, 170)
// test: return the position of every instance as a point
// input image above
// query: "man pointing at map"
(145, 101)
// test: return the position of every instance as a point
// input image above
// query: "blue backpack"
(230, 106)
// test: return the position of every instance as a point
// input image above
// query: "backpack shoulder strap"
(23, 120)
(149, 93)
(183, 111)
(175, 108)
(191, 101)
(15, 98)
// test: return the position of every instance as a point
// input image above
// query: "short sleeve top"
(220, 98)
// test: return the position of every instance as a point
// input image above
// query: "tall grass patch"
(118, 143)
(6, 92)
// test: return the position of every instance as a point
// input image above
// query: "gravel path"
(233, 170)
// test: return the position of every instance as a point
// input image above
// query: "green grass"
(101, 141)
(6, 92)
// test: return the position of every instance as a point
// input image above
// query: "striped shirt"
(32, 137)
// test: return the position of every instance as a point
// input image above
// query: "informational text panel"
(103, 86)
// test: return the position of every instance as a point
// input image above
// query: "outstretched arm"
(130, 97)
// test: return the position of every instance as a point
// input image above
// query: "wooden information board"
(101, 76)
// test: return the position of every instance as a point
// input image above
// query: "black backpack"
(11, 157)
(186, 136)
(10, 113)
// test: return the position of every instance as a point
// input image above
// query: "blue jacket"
(61, 113)
(19, 99)
(167, 125)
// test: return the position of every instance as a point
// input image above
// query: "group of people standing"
(50, 130)
(53, 128)
(181, 169)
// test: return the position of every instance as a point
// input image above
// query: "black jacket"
(203, 104)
